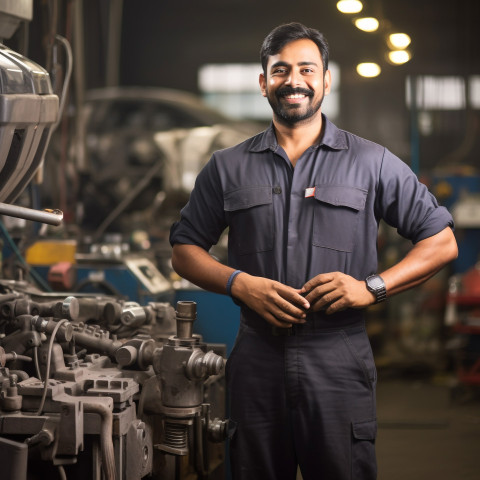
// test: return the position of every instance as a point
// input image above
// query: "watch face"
(375, 282)
(376, 285)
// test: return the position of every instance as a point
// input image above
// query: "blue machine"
(134, 278)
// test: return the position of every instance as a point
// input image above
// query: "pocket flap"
(365, 430)
(340, 195)
(247, 197)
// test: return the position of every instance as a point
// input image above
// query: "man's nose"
(294, 78)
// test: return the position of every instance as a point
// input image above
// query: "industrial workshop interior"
(112, 366)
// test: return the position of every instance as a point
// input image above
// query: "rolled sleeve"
(202, 220)
(406, 204)
(437, 221)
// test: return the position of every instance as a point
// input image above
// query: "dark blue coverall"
(305, 396)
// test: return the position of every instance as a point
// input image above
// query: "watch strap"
(376, 285)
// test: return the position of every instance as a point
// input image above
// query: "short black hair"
(289, 32)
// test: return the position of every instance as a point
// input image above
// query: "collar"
(333, 138)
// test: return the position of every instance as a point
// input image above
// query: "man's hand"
(336, 291)
(277, 303)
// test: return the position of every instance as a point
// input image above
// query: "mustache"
(284, 91)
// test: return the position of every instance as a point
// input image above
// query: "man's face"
(294, 83)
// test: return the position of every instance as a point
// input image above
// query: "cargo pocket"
(336, 214)
(250, 216)
(364, 463)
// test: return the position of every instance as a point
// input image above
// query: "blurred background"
(149, 89)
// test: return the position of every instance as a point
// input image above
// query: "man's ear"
(327, 82)
(263, 84)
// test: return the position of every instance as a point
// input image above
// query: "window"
(443, 92)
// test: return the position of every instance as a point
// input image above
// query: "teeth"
(298, 95)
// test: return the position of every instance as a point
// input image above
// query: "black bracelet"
(230, 281)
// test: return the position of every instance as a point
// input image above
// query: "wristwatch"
(376, 285)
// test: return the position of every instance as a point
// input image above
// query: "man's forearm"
(425, 259)
(199, 267)
(336, 291)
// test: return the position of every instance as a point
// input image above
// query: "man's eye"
(279, 70)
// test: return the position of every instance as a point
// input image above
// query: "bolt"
(13, 380)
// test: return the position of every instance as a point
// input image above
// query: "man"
(302, 201)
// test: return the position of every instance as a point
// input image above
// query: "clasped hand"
(283, 306)
(336, 291)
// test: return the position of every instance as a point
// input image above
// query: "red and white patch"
(309, 192)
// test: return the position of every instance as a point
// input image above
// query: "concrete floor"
(424, 434)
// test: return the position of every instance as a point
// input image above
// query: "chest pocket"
(337, 212)
(249, 212)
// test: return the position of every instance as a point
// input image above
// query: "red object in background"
(469, 297)
(471, 281)
(61, 276)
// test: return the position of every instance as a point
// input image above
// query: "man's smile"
(294, 96)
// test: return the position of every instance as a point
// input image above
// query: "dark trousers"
(305, 399)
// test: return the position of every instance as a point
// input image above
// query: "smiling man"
(296, 91)
(302, 201)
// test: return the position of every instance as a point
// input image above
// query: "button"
(277, 190)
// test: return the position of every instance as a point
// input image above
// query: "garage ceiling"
(166, 41)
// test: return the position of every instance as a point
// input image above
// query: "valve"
(201, 365)
(182, 365)
(217, 430)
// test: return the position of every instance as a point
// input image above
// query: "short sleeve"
(406, 204)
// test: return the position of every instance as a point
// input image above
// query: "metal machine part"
(96, 406)
(28, 109)
(52, 217)
(28, 113)
(183, 364)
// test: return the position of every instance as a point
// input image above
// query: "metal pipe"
(114, 43)
(22, 375)
(66, 82)
(92, 340)
(49, 359)
(106, 440)
(185, 315)
(201, 454)
(52, 217)
(79, 82)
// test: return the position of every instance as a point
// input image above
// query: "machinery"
(102, 388)
(92, 385)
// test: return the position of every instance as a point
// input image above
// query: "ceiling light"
(399, 57)
(399, 40)
(349, 6)
(367, 24)
(368, 69)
